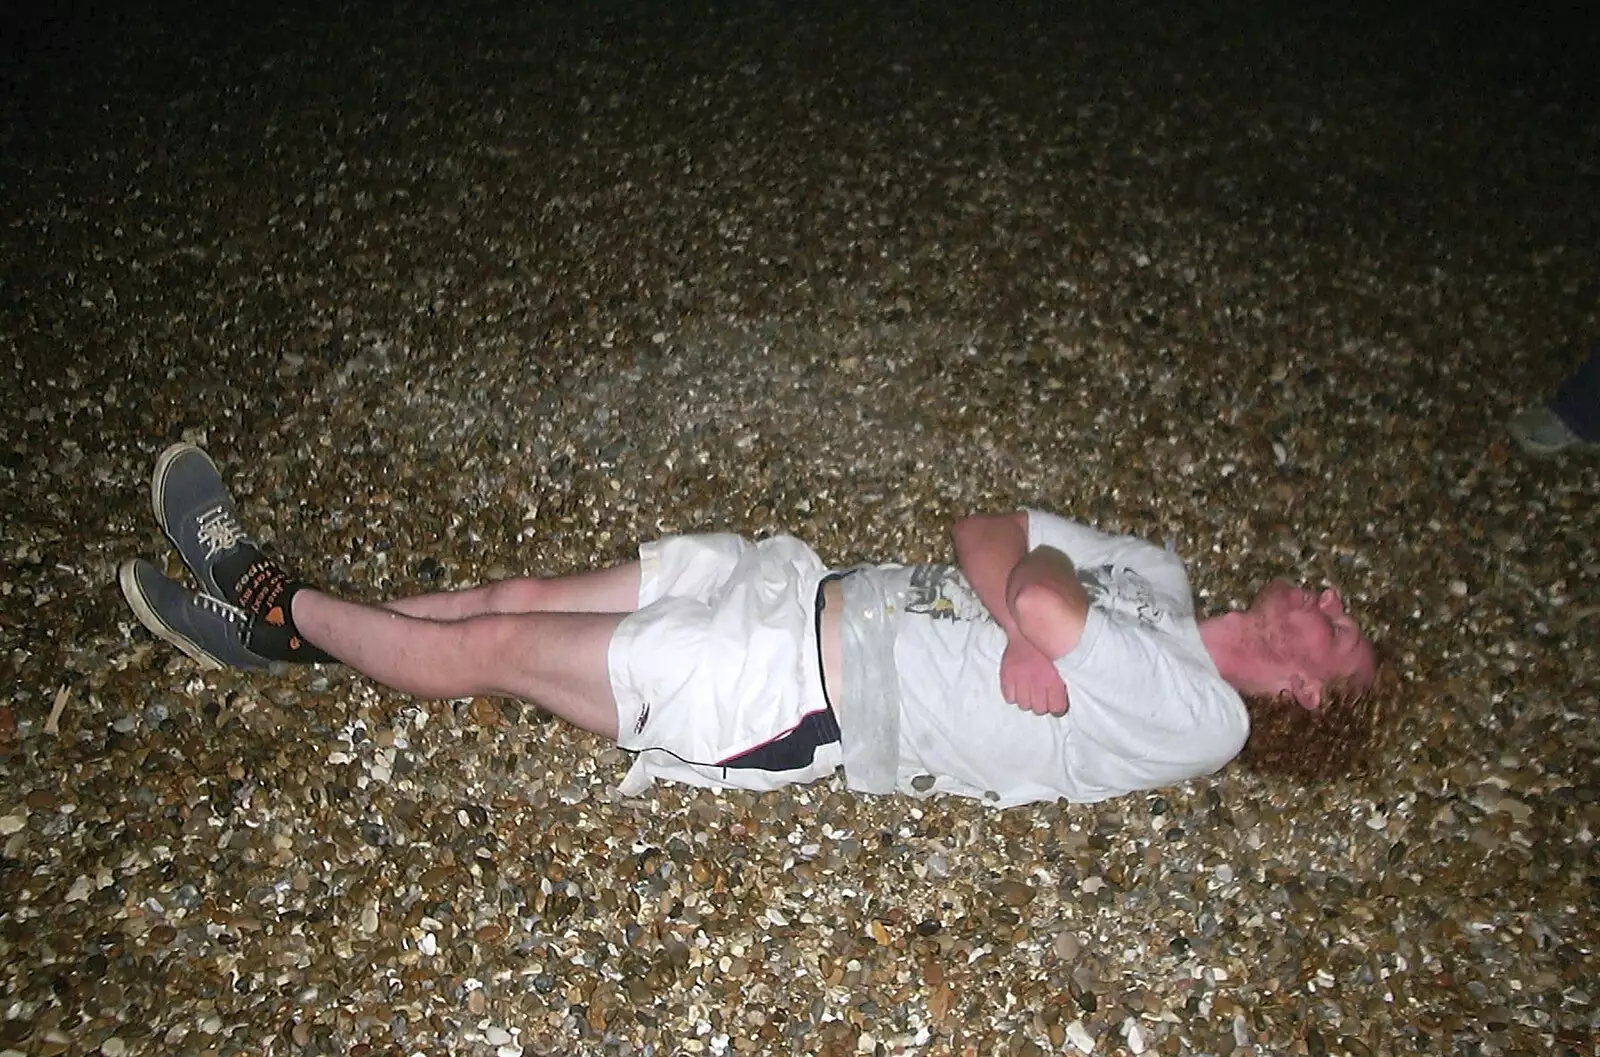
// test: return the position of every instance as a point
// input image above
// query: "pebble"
(1014, 893)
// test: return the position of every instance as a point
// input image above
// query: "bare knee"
(558, 660)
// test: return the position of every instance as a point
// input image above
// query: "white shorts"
(720, 658)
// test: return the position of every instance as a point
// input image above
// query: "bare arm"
(1047, 602)
(990, 549)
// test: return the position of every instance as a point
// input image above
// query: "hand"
(1030, 681)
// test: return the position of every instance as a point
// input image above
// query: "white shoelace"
(232, 614)
(219, 531)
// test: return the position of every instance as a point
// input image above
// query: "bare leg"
(613, 590)
(557, 660)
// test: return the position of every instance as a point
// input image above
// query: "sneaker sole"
(1541, 450)
(128, 580)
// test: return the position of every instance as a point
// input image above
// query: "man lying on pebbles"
(1051, 661)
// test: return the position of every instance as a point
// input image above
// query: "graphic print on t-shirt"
(1119, 588)
(941, 592)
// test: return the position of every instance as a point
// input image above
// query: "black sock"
(264, 589)
(282, 642)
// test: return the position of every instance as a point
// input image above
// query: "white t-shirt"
(1147, 706)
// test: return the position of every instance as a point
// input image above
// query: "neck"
(1231, 641)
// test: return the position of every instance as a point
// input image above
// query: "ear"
(1307, 693)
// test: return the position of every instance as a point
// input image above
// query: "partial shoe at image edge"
(207, 630)
(1540, 431)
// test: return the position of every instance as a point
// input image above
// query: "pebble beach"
(459, 292)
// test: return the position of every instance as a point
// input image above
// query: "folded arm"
(988, 547)
(1047, 601)
(1034, 597)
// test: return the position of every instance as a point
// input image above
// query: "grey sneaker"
(1540, 431)
(196, 512)
(210, 631)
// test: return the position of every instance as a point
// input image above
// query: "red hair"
(1335, 740)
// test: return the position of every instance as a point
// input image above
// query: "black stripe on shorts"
(798, 748)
